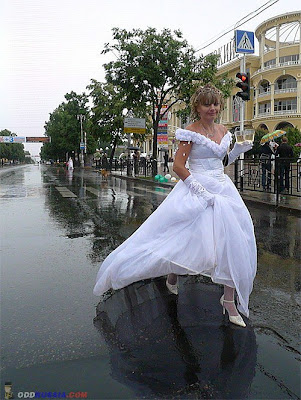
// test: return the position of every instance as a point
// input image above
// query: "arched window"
(264, 87)
(263, 127)
(283, 125)
(285, 83)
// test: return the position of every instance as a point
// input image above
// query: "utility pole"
(81, 118)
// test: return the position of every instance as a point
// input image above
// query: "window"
(285, 105)
(289, 59)
(270, 63)
(264, 108)
(264, 87)
(235, 109)
(286, 82)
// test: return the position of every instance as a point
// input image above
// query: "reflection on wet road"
(57, 226)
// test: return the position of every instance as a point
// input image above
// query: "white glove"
(195, 187)
(238, 149)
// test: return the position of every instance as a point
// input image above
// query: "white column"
(229, 110)
(272, 98)
(300, 42)
(256, 103)
(299, 96)
(277, 44)
(262, 42)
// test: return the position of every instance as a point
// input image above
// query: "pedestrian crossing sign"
(244, 42)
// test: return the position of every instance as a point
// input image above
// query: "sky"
(52, 47)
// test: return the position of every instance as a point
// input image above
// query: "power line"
(239, 24)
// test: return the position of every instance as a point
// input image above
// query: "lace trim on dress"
(195, 137)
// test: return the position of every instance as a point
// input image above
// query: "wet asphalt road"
(57, 227)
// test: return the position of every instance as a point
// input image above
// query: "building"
(275, 77)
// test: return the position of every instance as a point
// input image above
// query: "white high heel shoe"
(172, 288)
(237, 319)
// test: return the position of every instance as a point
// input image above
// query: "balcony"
(286, 90)
(263, 114)
(279, 65)
(262, 94)
(281, 112)
(286, 63)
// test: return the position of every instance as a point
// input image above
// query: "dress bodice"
(205, 155)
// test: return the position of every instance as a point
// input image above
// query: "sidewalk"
(286, 202)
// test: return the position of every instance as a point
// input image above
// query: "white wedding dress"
(182, 236)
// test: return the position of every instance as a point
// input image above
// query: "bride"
(203, 225)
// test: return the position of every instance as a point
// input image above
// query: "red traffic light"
(243, 77)
(244, 85)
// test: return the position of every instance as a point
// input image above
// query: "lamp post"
(81, 118)
(129, 113)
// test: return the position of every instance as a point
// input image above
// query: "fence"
(130, 167)
(265, 175)
(273, 176)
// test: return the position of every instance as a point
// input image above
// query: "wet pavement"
(139, 342)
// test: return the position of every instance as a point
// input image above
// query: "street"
(140, 342)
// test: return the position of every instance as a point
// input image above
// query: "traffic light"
(244, 85)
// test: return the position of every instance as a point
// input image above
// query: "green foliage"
(11, 151)
(293, 135)
(257, 137)
(106, 117)
(153, 69)
(64, 128)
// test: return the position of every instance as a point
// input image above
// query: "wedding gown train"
(182, 236)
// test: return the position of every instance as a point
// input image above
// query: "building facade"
(275, 77)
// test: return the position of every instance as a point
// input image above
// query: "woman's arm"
(181, 158)
(192, 184)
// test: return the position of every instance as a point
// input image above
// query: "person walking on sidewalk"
(265, 158)
(165, 166)
(203, 225)
(285, 153)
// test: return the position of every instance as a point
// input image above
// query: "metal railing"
(274, 176)
(142, 167)
(277, 176)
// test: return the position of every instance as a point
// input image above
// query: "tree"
(106, 117)
(293, 136)
(64, 128)
(155, 69)
(11, 151)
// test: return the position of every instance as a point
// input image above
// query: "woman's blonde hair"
(207, 94)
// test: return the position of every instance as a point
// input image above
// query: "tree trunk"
(155, 150)
(113, 152)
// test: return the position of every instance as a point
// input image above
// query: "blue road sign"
(244, 42)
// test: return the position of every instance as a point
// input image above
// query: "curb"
(245, 197)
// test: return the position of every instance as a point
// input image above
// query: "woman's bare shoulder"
(222, 128)
(192, 127)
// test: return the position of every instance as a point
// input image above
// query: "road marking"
(161, 191)
(93, 190)
(65, 192)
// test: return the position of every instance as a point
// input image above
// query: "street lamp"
(81, 118)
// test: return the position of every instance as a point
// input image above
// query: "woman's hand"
(238, 149)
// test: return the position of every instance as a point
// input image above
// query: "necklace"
(208, 134)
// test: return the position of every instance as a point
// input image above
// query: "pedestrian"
(202, 227)
(265, 158)
(136, 158)
(285, 153)
(104, 162)
(165, 167)
(70, 164)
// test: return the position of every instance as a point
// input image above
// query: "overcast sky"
(50, 47)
